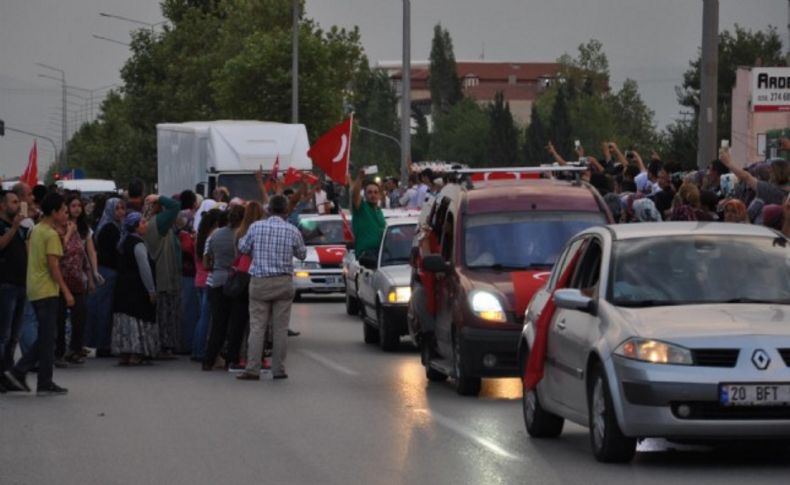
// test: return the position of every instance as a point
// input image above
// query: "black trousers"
(79, 316)
(239, 323)
(43, 349)
(220, 317)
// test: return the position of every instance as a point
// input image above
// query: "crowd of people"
(149, 277)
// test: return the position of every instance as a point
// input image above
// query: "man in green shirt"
(367, 220)
(44, 286)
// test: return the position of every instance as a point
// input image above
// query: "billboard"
(770, 89)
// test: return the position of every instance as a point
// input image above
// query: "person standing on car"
(273, 243)
(367, 219)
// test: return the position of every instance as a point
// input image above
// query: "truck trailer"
(203, 155)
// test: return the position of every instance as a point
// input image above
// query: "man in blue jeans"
(13, 268)
(44, 285)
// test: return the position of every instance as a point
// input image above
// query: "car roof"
(402, 221)
(536, 194)
(670, 229)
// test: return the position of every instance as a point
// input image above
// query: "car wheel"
(352, 305)
(371, 334)
(608, 442)
(539, 422)
(434, 375)
(389, 340)
(465, 385)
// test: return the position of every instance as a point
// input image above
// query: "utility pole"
(405, 98)
(709, 75)
(295, 65)
(64, 119)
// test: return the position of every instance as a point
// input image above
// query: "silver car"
(674, 330)
(385, 285)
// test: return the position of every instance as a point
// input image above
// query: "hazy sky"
(647, 40)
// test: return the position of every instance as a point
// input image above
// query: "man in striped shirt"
(272, 243)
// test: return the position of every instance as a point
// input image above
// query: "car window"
(317, 232)
(565, 260)
(588, 270)
(522, 240)
(397, 245)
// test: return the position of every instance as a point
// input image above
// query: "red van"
(493, 247)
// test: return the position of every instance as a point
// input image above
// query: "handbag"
(238, 281)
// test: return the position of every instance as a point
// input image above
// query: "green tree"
(443, 82)
(462, 134)
(588, 72)
(633, 119)
(375, 107)
(503, 141)
(560, 129)
(678, 143)
(421, 141)
(535, 140)
(739, 48)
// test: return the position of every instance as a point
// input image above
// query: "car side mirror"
(368, 261)
(435, 264)
(573, 299)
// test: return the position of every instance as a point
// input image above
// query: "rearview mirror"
(573, 299)
(435, 264)
(368, 261)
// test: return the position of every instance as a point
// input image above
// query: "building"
(760, 105)
(521, 82)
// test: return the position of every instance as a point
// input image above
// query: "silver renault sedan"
(674, 330)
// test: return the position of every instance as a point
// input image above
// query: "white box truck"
(203, 155)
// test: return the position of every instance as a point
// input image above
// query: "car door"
(570, 331)
(445, 286)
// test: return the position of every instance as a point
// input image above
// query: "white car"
(322, 269)
(677, 330)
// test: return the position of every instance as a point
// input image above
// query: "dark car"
(496, 246)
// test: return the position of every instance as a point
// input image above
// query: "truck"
(204, 155)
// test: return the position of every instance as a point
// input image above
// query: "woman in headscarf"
(205, 206)
(135, 336)
(735, 211)
(106, 237)
(645, 211)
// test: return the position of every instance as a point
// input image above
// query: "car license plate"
(333, 280)
(771, 394)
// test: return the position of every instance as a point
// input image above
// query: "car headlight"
(487, 306)
(654, 351)
(400, 294)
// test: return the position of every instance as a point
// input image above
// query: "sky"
(650, 41)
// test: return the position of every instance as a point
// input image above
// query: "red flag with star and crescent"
(332, 151)
(30, 177)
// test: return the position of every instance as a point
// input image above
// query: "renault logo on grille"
(760, 359)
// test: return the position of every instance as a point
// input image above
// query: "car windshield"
(397, 244)
(700, 269)
(522, 240)
(317, 232)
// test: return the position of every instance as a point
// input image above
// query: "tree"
(536, 139)
(589, 71)
(421, 141)
(678, 143)
(560, 129)
(443, 82)
(375, 107)
(633, 119)
(462, 134)
(503, 141)
(741, 48)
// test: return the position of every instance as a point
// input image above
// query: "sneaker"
(293, 333)
(17, 381)
(245, 376)
(51, 390)
(236, 368)
(279, 376)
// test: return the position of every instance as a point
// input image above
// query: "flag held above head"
(30, 176)
(332, 151)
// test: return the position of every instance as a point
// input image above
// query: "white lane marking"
(464, 431)
(329, 363)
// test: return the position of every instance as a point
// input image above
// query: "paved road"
(349, 414)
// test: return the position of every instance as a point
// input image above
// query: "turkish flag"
(310, 178)
(537, 354)
(292, 176)
(348, 235)
(30, 177)
(332, 151)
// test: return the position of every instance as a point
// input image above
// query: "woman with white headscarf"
(107, 235)
(204, 207)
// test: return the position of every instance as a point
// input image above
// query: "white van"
(89, 187)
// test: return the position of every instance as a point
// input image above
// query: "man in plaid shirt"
(273, 243)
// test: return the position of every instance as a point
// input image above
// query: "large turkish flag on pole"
(30, 177)
(332, 151)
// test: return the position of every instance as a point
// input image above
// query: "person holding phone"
(13, 269)
(367, 219)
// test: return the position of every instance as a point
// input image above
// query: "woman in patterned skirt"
(135, 335)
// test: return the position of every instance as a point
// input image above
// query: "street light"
(110, 40)
(389, 137)
(150, 25)
(64, 126)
